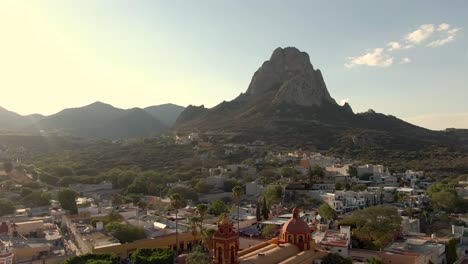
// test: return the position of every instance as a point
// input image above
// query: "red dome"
(295, 225)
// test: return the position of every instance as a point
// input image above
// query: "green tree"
(177, 202)
(265, 211)
(374, 260)
(444, 200)
(67, 199)
(269, 230)
(184, 192)
(359, 187)
(273, 193)
(93, 258)
(202, 186)
(327, 212)
(25, 191)
(6, 207)
(202, 212)
(207, 238)
(288, 172)
(125, 233)
(237, 193)
(352, 171)
(258, 212)
(451, 251)
(197, 256)
(218, 207)
(153, 256)
(194, 224)
(374, 226)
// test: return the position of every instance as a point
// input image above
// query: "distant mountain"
(11, 121)
(97, 120)
(288, 103)
(167, 113)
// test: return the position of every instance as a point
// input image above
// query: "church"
(294, 246)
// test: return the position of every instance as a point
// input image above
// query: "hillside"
(167, 113)
(288, 103)
(97, 120)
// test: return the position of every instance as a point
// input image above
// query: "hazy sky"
(405, 58)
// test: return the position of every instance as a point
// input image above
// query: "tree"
(6, 207)
(335, 259)
(218, 207)
(93, 258)
(207, 238)
(451, 255)
(237, 193)
(269, 230)
(374, 226)
(184, 192)
(359, 187)
(327, 212)
(338, 186)
(125, 233)
(202, 186)
(177, 202)
(153, 256)
(445, 200)
(67, 199)
(197, 256)
(288, 172)
(273, 193)
(374, 260)
(352, 171)
(202, 211)
(265, 211)
(258, 213)
(193, 223)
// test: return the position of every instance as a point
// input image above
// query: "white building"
(370, 169)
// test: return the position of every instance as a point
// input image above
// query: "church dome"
(295, 225)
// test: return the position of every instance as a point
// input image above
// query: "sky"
(404, 58)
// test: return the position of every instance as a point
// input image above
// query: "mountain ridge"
(95, 120)
(288, 101)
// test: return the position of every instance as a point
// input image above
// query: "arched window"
(290, 239)
(220, 255)
(233, 254)
(301, 239)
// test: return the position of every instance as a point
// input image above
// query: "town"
(283, 207)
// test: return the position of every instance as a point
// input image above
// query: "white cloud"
(443, 27)
(449, 37)
(375, 58)
(393, 46)
(434, 35)
(344, 101)
(421, 34)
(405, 60)
(440, 121)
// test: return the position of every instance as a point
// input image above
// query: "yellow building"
(186, 241)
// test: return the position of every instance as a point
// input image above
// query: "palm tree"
(207, 237)
(237, 193)
(177, 202)
(193, 223)
(202, 211)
